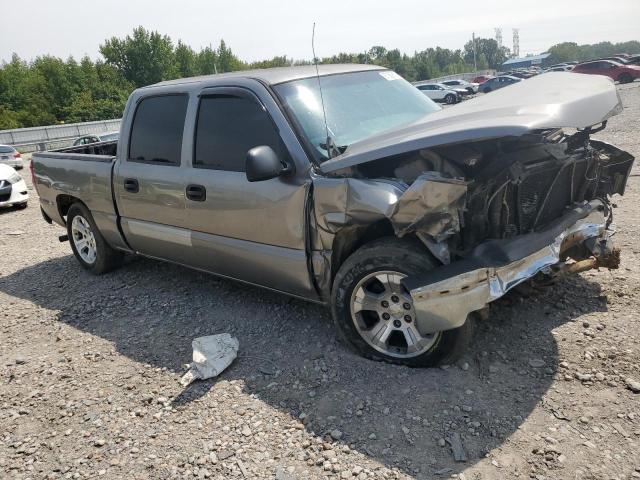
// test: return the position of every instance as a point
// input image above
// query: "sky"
(257, 30)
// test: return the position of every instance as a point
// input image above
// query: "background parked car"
(616, 71)
(469, 86)
(480, 79)
(498, 82)
(10, 156)
(439, 93)
(104, 137)
(13, 190)
(561, 68)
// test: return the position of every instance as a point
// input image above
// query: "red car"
(614, 70)
(480, 79)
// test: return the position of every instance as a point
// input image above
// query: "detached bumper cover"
(444, 298)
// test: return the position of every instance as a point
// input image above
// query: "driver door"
(252, 231)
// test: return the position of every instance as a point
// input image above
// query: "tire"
(85, 239)
(486, 90)
(394, 258)
(450, 99)
(625, 78)
(21, 206)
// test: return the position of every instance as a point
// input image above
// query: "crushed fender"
(431, 205)
(211, 356)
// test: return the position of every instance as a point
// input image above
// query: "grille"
(544, 192)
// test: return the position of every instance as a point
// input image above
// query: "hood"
(546, 101)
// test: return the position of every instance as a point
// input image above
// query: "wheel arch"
(64, 202)
(349, 240)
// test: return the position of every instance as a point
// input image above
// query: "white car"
(13, 190)
(470, 87)
(439, 93)
(10, 156)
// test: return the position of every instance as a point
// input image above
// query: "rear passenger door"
(149, 182)
(252, 231)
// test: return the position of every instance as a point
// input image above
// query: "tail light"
(33, 175)
(17, 155)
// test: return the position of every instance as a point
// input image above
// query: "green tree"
(143, 58)
(185, 60)
(488, 48)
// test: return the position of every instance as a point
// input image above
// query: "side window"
(228, 127)
(156, 134)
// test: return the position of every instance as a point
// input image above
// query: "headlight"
(14, 178)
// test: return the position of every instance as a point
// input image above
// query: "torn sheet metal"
(211, 355)
(431, 205)
(445, 304)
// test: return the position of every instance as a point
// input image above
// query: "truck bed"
(82, 172)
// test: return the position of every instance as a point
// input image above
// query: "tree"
(143, 59)
(227, 61)
(185, 60)
(493, 55)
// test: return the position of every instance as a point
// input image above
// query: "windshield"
(358, 106)
(109, 136)
(6, 149)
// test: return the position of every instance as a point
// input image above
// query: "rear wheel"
(88, 245)
(450, 99)
(625, 78)
(375, 315)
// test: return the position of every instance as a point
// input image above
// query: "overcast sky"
(262, 29)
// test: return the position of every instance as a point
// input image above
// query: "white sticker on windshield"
(389, 75)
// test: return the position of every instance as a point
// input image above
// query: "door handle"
(131, 185)
(197, 193)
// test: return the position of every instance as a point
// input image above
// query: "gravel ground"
(89, 370)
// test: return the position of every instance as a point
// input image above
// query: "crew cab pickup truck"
(352, 189)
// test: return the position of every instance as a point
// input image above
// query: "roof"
(532, 58)
(273, 76)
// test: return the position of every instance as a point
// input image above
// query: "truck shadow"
(290, 359)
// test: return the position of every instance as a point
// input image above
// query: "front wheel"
(450, 99)
(87, 243)
(375, 315)
(625, 78)
(486, 90)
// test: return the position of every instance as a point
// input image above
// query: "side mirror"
(263, 164)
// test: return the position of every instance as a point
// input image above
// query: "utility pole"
(516, 43)
(475, 64)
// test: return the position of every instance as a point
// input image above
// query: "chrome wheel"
(83, 239)
(383, 314)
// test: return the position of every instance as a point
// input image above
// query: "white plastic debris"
(211, 355)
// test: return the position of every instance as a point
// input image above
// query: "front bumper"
(14, 194)
(445, 297)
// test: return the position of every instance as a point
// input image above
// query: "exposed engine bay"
(508, 187)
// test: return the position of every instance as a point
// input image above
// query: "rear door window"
(156, 134)
(228, 127)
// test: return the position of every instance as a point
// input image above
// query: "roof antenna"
(329, 142)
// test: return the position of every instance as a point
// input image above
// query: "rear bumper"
(17, 163)
(445, 297)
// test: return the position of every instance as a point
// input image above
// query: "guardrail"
(54, 136)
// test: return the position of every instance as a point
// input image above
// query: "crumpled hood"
(552, 100)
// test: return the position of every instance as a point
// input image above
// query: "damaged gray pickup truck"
(352, 189)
